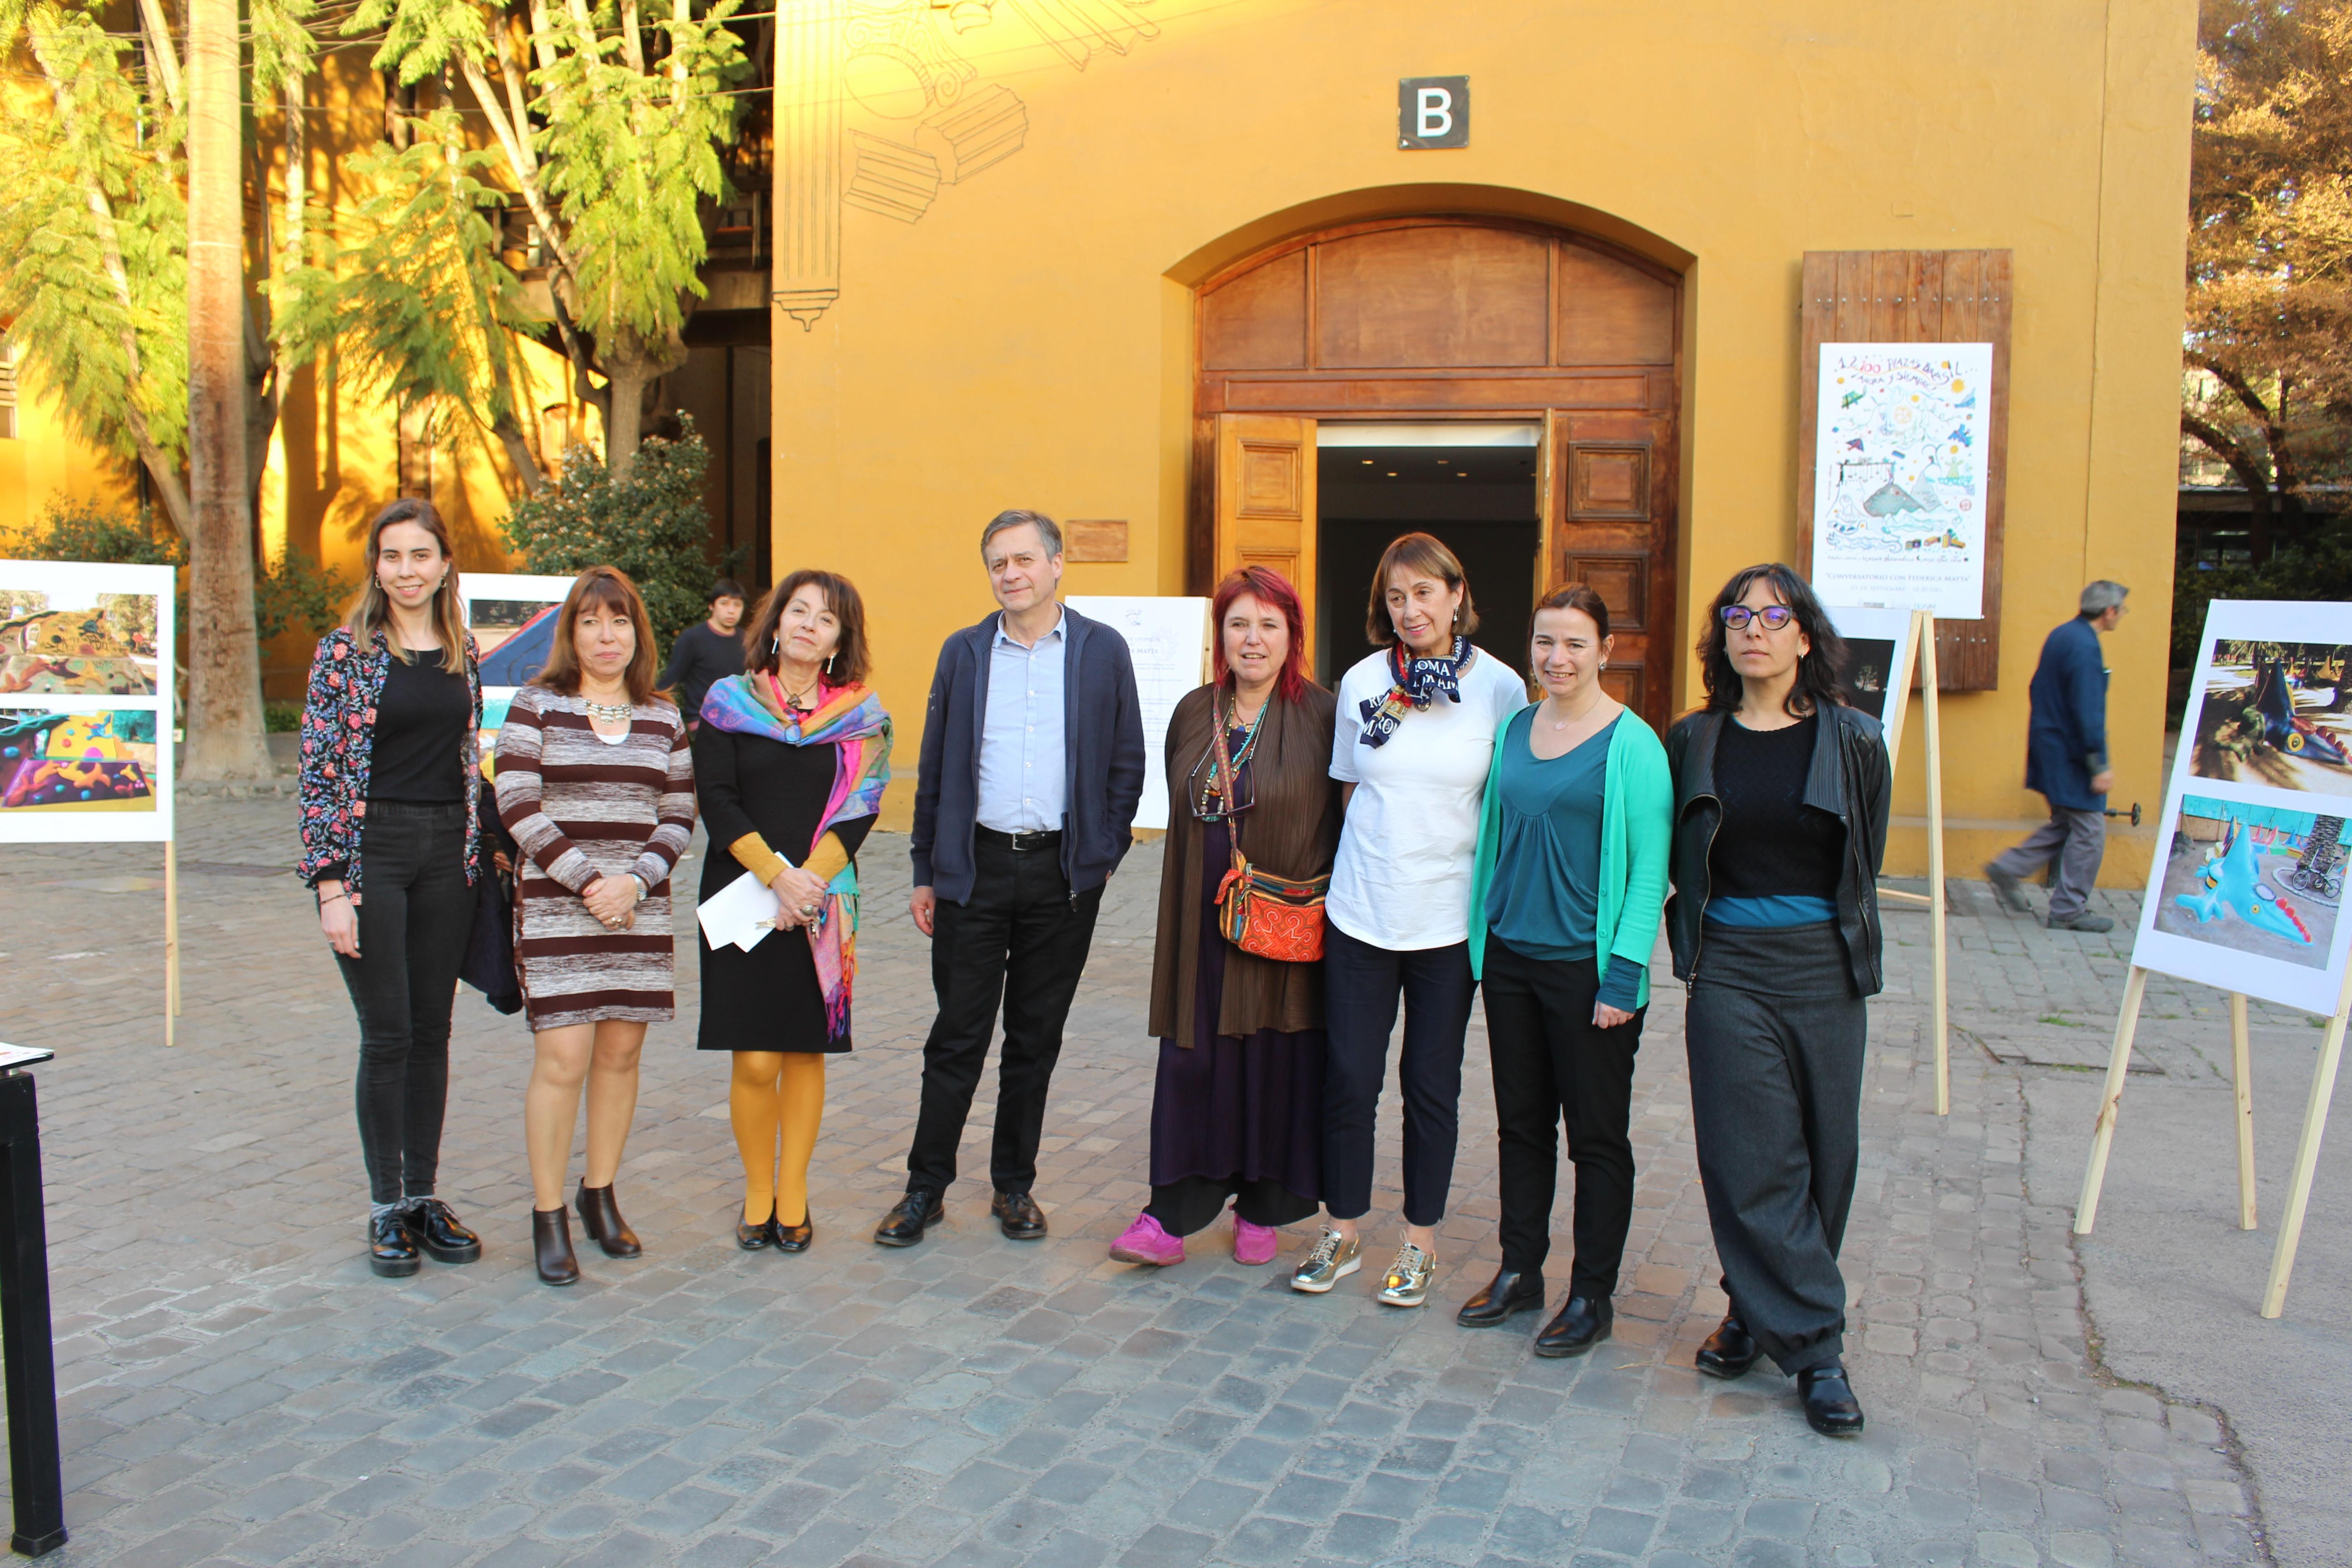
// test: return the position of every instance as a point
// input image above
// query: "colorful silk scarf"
(1414, 683)
(850, 720)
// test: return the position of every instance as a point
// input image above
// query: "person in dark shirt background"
(707, 651)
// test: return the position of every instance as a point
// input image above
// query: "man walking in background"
(707, 651)
(1032, 765)
(2066, 763)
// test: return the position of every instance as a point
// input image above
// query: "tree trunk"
(224, 698)
(631, 365)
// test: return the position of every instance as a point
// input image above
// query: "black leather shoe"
(391, 1252)
(1582, 1323)
(1730, 1351)
(433, 1228)
(551, 1247)
(916, 1212)
(1018, 1216)
(1505, 1295)
(796, 1238)
(1830, 1408)
(600, 1216)
(751, 1237)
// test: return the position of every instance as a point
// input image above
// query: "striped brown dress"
(582, 807)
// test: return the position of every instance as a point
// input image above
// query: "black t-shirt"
(699, 659)
(420, 727)
(1770, 844)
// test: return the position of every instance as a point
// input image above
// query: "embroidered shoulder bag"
(1263, 914)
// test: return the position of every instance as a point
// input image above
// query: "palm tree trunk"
(223, 712)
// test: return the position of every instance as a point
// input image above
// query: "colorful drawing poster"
(86, 702)
(1900, 477)
(513, 622)
(1169, 641)
(2247, 884)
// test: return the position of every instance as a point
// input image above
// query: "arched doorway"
(1509, 385)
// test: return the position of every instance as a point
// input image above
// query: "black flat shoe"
(1830, 1408)
(1730, 1351)
(433, 1228)
(1505, 1295)
(391, 1252)
(753, 1237)
(600, 1216)
(1582, 1323)
(796, 1238)
(551, 1247)
(1018, 1216)
(916, 1212)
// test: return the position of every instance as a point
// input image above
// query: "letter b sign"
(1433, 111)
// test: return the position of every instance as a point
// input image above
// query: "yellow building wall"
(1026, 341)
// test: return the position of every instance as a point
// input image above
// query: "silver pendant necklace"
(608, 712)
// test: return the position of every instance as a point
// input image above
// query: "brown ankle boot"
(550, 1243)
(601, 1217)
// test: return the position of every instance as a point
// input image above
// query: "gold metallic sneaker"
(1409, 1277)
(1333, 1259)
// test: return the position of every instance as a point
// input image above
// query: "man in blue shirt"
(2066, 765)
(1032, 767)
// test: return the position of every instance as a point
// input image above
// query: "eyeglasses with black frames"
(1774, 616)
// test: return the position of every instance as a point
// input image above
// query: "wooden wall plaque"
(1100, 540)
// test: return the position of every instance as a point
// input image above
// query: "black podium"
(25, 1352)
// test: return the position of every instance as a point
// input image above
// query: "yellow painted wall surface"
(1026, 341)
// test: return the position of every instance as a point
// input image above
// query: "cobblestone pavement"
(238, 1388)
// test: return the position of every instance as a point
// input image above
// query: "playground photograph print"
(2257, 879)
(512, 619)
(68, 628)
(2276, 713)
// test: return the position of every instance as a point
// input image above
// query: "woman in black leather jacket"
(1780, 803)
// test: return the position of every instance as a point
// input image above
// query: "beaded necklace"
(1211, 804)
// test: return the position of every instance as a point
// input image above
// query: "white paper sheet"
(1168, 639)
(741, 914)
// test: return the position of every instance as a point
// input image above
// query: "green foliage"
(280, 717)
(647, 520)
(2318, 568)
(295, 593)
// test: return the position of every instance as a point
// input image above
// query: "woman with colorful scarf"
(790, 760)
(1415, 734)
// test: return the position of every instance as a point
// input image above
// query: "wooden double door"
(1429, 320)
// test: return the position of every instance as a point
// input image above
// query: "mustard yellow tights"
(776, 1102)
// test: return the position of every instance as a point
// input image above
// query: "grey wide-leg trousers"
(2072, 844)
(1776, 1035)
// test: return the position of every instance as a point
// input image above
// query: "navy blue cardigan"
(2067, 743)
(1103, 756)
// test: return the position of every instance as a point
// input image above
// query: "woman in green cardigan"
(1564, 911)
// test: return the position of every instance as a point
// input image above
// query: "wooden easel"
(2306, 1154)
(171, 937)
(1919, 652)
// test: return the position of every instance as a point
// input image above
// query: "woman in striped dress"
(596, 784)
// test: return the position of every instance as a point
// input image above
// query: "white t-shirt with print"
(1401, 881)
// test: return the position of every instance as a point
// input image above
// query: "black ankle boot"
(1730, 1351)
(1582, 1323)
(551, 1243)
(600, 1216)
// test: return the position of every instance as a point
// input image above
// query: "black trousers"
(1777, 1037)
(1551, 1067)
(1361, 985)
(1020, 940)
(416, 912)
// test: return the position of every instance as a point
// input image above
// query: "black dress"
(767, 999)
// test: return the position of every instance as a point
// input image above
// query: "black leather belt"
(1018, 843)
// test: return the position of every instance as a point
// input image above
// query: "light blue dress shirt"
(1024, 782)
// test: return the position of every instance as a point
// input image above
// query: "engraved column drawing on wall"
(877, 108)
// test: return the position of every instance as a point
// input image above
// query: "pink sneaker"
(1255, 1243)
(1146, 1242)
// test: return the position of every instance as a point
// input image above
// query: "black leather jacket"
(1850, 778)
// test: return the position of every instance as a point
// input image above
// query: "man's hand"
(923, 906)
(2102, 783)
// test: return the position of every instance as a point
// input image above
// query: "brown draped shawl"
(1293, 831)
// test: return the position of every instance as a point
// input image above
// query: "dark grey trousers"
(1776, 1037)
(2072, 844)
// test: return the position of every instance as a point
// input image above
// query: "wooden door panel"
(1258, 322)
(1433, 296)
(1266, 501)
(1621, 578)
(1614, 529)
(1611, 312)
(1609, 482)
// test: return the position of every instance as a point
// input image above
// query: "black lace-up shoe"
(916, 1212)
(391, 1253)
(433, 1228)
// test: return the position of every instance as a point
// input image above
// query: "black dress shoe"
(1018, 1216)
(1505, 1295)
(751, 1237)
(1830, 1408)
(433, 1228)
(1582, 1323)
(796, 1238)
(551, 1247)
(1730, 1351)
(600, 1216)
(391, 1252)
(916, 1212)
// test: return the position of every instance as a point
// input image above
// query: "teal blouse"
(1545, 898)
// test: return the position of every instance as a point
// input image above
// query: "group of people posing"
(1422, 833)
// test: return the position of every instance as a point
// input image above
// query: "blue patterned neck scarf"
(1414, 683)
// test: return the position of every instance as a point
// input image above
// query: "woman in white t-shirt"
(1415, 734)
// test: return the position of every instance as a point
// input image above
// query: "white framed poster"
(512, 618)
(2247, 889)
(1169, 640)
(87, 754)
(1901, 477)
(1879, 651)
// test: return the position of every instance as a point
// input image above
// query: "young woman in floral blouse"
(390, 771)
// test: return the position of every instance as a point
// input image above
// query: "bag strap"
(1226, 783)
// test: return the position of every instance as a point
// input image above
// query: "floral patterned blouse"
(338, 731)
